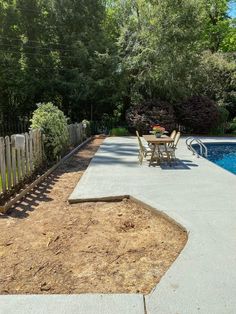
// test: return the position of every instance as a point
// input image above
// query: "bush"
(230, 104)
(87, 125)
(198, 114)
(53, 124)
(119, 132)
(232, 126)
(222, 125)
(141, 117)
(217, 79)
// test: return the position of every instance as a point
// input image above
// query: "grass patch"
(119, 132)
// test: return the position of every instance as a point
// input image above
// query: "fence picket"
(40, 147)
(36, 142)
(13, 161)
(23, 162)
(31, 165)
(3, 164)
(8, 162)
(34, 145)
(81, 132)
(76, 133)
(18, 162)
(27, 154)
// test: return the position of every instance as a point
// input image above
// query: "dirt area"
(49, 246)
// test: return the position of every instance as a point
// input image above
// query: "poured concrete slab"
(72, 304)
(196, 193)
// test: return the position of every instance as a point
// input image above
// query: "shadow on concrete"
(178, 165)
(108, 160)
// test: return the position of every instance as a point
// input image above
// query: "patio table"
(156, 141)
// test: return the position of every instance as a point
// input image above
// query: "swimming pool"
(222, 154)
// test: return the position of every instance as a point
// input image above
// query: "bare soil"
(48, 246)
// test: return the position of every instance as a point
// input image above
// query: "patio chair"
(172, 135)
(169, 151)
(144, 149)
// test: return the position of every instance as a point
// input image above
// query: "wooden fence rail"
(21, 154)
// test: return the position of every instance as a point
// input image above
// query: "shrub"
(232, 126)
(87, 125)
(222, 125)
(217, 79)
(198, 114)
(119, 132)
(53, 124)
(230, 103)
(140, 117)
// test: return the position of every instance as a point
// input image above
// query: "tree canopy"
(103, 56)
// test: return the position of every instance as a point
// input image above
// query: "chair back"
(140, 142)
(176, 140)
(173, 134)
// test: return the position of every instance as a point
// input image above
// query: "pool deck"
(201, 197)
(197, 194)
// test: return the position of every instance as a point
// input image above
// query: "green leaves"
(53, 124)
(107, 54)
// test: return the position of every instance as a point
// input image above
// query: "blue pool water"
(223, 154)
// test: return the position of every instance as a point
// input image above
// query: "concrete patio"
(197, 194)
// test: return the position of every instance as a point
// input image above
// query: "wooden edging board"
(8, 205)
(120, 198)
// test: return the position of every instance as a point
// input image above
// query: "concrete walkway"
(72, 304)
(197, 194)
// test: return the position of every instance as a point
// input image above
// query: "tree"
(220, 28)
(159, 46)
(55, 51)
(198, 114)
(103, 56)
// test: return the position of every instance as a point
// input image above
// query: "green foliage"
(218, 75)
(95, 58)
(232, 126)
(229, 42)
(87, 125)
(159, 46)
(217, 80)
(222, 122)
(53, 124)
(119, 132)
(56, 51)
(224, 115)
(216, 23)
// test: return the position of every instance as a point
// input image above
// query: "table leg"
(167, 154)
(159, 155)
(152, 156)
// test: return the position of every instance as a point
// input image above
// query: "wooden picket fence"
(19, 162)
(76, 134)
